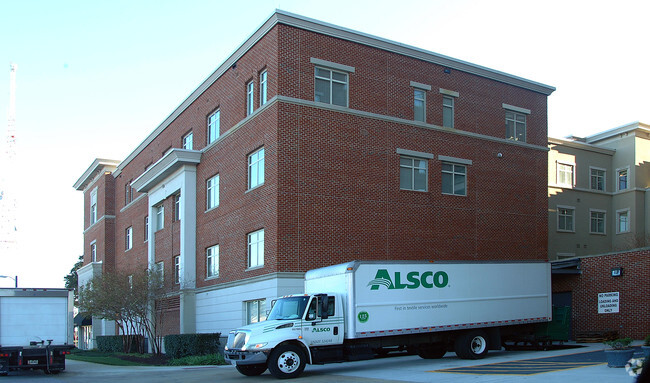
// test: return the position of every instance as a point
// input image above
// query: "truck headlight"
(254, 346)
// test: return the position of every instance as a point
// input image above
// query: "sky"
(96, 77)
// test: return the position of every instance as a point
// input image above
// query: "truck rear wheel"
(251, 369)
(471, 345)
(286, 361)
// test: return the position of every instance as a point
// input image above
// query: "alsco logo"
(428, 280)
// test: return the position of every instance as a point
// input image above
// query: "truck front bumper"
(245, 357)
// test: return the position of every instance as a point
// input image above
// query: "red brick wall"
(103, 231)
(340, 199)
(633, 318)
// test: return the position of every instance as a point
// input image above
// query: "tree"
(72, 279)
(130, 302)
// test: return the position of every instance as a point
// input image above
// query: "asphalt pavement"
(585, 364)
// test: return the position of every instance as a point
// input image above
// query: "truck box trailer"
(36, 329)
(362, 309)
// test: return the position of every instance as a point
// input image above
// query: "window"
(146, 228)
(128, 193)
(597, 179)
(256, 169)
(331, 87)
(515, 126)
(250, 107)
(597, 222)
(255, 311)
(160, 217)
(93, 206)
(621, 178)
(214, 124)
(188, 141)
(128, 239)
(622, 221)
(263, 88)
(256, 248)
(177, 207)
(412, 174)
(565, 175)
(419, 105)
(448, 112)
(212, 261)
(212, 192)
(177, 269)
(565, 218)
(454, 179)
(93, 252)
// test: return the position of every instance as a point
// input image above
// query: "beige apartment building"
(599, 192)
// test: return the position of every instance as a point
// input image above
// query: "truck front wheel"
(471, 345)
(286, 361)
(251, 369)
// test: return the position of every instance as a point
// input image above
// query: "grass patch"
(198, 360)
(121, 359)
(110, 359)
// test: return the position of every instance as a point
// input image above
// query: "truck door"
(322, 327)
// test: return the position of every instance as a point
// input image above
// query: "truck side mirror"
(324, 309)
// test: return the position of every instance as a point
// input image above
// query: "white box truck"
(362, 309)
(36, 329)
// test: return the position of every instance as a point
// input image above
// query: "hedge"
(115, 343)
(181, 345)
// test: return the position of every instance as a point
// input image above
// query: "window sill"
(254, 188)
(254, 268)
(211, 209)
(566, 231)
(412, 190)
(595, 233)
(455, 195)
(212, 278)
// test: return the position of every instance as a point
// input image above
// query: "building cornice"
(627, 128)
(99, 165)
(581, 146)
(297, 21)
(172, 161)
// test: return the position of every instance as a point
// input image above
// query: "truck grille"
(237, 339)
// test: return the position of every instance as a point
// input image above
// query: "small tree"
(72, 279)
(129, 301)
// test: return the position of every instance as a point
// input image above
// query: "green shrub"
(619, 344)
(646, 341)
(115, 343)
(200, 360)
(110, 343)
(180, 345)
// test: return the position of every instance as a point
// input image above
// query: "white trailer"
(36, 329)
(361, 309)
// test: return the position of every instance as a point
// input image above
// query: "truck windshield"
(288, 308)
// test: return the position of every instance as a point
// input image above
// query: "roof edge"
(92, 171)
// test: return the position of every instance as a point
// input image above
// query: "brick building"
(313, 145)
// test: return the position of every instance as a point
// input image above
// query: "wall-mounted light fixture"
(617, 272)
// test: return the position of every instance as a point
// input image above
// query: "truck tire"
(251, 369)
(286, 361)
(432, 351)
(471, 345)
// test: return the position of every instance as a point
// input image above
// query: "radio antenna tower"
(8, 229)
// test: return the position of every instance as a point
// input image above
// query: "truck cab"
(295, 328)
